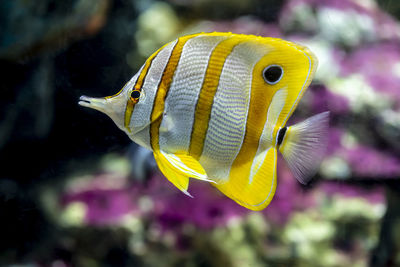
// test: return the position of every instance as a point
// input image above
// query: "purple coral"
(290, 196)
(323, 99)
(103, 206)
(373, 195)
(206, 210)
(107, 198)
(378, 64)
(368, 162)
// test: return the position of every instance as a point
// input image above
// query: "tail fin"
(303, 145)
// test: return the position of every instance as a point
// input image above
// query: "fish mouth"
(93, 102)
(84, 100)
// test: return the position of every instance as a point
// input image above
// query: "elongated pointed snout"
(113, 107)
(92, 102)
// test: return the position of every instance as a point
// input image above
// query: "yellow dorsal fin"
(255, 188)
(178, 168)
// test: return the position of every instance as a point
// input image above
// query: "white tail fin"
(304, 144)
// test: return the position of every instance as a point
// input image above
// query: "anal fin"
(253, 184)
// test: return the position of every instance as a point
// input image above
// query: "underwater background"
(75, 191)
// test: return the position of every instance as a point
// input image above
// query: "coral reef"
(75, 192)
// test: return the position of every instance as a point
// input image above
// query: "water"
(74, 191)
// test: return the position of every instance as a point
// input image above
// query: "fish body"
(214, 107)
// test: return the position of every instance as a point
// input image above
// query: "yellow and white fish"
(213, 106)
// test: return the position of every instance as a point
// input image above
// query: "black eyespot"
(273, 74)
(135, 94)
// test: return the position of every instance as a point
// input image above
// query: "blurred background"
(75, 191)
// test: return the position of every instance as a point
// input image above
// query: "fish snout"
(113, 107)
(92, 102)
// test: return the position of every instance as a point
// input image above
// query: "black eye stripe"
(273, 74)
(135, 94)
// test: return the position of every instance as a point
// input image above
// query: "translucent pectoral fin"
(304, 144)
(178, 168)
(253, 184)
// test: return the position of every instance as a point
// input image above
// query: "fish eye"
(273, 74)
(135, 94)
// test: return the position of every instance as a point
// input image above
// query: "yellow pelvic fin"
(178, 168)
(253, 184)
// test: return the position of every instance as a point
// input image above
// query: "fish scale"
(184, 92)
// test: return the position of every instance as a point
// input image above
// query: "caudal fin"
(304, 144)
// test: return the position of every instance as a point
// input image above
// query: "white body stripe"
(142, 110)
(227, 125)
(132, 81)
(266, 139)
(180, 104)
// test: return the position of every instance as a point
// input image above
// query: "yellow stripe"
(143, 74)
(120, 91)
(256, 118)
(162, 91)
(128, 114)
(138, 86)
(207, 93)
(296, 69)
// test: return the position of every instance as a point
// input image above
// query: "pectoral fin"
(178, 168)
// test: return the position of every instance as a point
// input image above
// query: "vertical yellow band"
(207, 93)
(162, 91)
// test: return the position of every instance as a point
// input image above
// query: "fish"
(214, 107)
